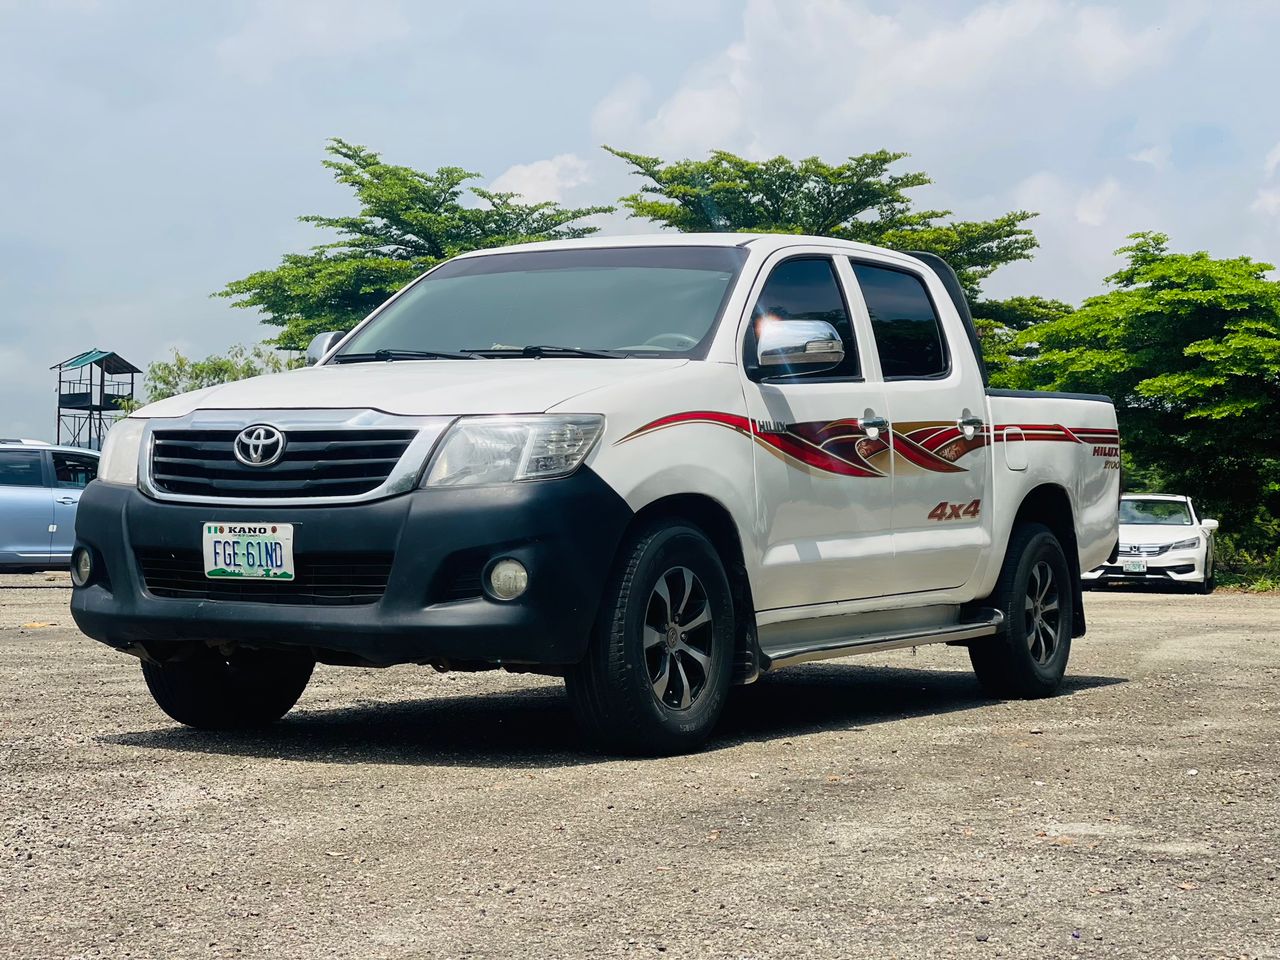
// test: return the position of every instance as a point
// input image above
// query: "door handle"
(970, 426)
(872, 426)
(67, 501)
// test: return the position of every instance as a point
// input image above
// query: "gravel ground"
(877, 807)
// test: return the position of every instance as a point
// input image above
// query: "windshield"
(645, 301)
(1171, 513)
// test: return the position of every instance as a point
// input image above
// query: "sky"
(152, 151)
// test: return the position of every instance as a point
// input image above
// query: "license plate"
(248, 551)
(1135, 566)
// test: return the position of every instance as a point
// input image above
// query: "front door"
(824, 491)
(26, 507)
(935, 401)
(71, 474)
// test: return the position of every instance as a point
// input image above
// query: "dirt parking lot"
(863, 808)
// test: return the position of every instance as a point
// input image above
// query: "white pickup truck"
(657, 466)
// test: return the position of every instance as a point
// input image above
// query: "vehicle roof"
(765, 242)
(41, 445)
(1156, 496)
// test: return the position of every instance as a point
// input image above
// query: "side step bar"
(952, 633)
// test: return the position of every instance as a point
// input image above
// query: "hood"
(419, 387)
(1157, 534)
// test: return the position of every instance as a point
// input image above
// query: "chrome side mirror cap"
(1210, 525)
(800, 346)
(321, 344)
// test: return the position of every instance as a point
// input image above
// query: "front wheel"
(656, 674)
(1210, 577)
(249, 688)
(1029, 656)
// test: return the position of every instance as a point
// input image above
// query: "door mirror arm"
(321, 344)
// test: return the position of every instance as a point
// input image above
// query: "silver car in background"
(40, 487)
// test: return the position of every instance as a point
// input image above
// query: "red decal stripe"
(841, 447)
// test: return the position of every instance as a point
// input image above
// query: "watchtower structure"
(93, 389)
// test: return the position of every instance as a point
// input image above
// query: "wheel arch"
(715, 520)
(1050, 504)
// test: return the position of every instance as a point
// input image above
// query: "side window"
(908, 335)
(807, 289)
(73, 469)
(20, 468)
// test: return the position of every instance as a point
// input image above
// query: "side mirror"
(321, 344)
(798, 346)
(1210, 525)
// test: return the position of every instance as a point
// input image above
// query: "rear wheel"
(1029, 656)
(250, 688)
(656, 674)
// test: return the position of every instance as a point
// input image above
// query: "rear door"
(26, 507)
(936, 402)
(71, 474)
(824, 493)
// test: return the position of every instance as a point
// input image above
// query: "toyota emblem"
(259, 446)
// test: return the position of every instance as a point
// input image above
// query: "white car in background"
(1162, 539)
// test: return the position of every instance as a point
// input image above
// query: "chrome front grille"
(316, 462)
(1142, 550)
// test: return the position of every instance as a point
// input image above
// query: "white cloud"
(1272, 161)
(621, 110)
(1157, 156)
(812, 68)
(544, 179)
(281, 31)
(1094, 205)
(1267, 202)
(1110, 49)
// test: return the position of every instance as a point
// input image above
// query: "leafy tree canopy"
(409, 220)
(1188, 346)
(168, 378)
(999, 323)
(860, 199)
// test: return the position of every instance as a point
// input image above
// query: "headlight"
(483, 450)
(1185, 544)
(119, 462)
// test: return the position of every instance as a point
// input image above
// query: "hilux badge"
(259, 446)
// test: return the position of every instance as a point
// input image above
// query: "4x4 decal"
(844, 448)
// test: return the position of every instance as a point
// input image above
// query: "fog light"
(81, 567)
(508, 579)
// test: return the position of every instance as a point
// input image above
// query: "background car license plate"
(248, 551)
(1135, 566)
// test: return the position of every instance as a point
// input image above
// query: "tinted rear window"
(20, 468)
(908, 334)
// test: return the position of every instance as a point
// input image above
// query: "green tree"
(408, 221)
(860, 199)
(999, 324)
(168, 378)
(1188, 346)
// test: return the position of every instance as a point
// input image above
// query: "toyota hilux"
(656, 466)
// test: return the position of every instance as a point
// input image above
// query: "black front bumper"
(566, 533)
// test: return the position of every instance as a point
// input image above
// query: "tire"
(252, 688)
(1028, 658)
(646, 686)
(1210, 581)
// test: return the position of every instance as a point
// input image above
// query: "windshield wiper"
(537, 351)
(388, 355)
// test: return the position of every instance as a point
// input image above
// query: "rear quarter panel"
(1065, 442)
